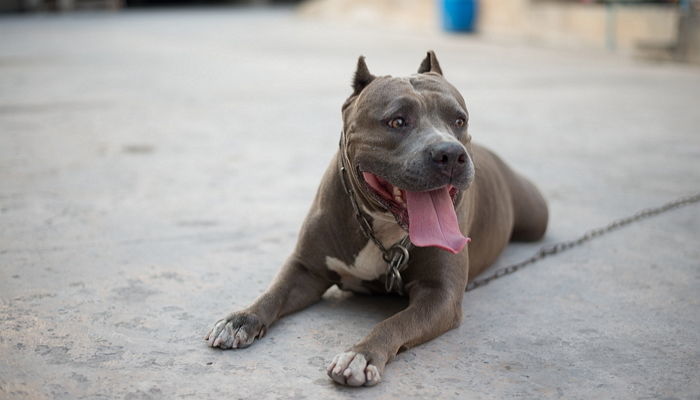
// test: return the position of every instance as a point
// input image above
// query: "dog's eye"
(397, 122)
(459, 122)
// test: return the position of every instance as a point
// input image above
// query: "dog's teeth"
(398, 195)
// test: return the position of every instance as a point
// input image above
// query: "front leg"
(294, 288)
(435, 306)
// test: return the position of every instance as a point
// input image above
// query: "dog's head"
(407, 142)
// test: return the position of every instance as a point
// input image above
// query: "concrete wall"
(622, 28)
(688, 47)
(409, 14)
(619, 27)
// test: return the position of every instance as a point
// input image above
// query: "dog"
(389, 216)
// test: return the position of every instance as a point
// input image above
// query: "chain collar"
(395, 256)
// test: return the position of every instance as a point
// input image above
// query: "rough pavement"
(155, 167)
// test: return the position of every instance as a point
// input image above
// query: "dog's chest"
(368, 264)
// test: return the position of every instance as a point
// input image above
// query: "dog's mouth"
(429, 216)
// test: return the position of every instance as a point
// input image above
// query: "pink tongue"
(432, 220)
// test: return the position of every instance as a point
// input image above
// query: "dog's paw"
(236, 331)
(352, 369)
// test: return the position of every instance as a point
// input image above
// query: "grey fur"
(494, 205)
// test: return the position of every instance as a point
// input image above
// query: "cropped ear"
(362, 76)
(430, 64)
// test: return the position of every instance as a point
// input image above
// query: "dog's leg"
(294, 288)
(435, 307)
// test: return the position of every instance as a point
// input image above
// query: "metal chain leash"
(365, 224)
(396, 256)
(560, 247)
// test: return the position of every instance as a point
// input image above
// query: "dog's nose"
(448, 155)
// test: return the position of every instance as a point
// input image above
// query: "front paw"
(353, 369)
(236, 331)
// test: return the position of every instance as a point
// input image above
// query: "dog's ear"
(430, 64)
(362, 76)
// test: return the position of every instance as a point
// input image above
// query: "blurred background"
(659, 29)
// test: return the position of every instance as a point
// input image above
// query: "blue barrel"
(459, 15)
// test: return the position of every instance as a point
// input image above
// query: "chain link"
(395, 256)
(560, 247)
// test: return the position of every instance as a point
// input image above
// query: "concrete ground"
(155, 167)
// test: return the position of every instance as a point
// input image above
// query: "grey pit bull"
(406, 165)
